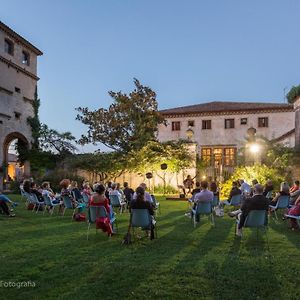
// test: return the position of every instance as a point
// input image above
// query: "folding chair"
(234, 201)
(95, 212)
(115, 201)
(282, 202)
(141, 218)
(156, 204)
(49, 203)
(69, 205)
(203, 208)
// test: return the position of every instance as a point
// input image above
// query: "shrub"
(260, 172)
(159, 189)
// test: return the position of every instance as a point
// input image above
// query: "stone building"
(18, 81)
(219, 129)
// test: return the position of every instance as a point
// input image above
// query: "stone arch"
(8, 139)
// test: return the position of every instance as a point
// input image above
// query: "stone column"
(297, 123)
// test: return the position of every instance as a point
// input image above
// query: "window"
(229, 156)
(206, 124)
(229, 123)
(191, 123)
(217, 157)
(9, 47)
(244, 121)
(17, 90)
(263, 122)
(25, 58)
(206, 156)
(176, 126)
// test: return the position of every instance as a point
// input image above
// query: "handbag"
(219, 211)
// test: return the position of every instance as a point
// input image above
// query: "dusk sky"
(188, 51)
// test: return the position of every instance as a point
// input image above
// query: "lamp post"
(190, 133)
(164, 167)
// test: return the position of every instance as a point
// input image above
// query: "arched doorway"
(13, 169)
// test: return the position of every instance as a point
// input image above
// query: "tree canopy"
(293, 93)
(129, 122)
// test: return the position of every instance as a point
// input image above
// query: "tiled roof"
(222, 106)
(19, 38)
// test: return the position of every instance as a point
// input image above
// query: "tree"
(56, 142)
(129, 122)
(293, 93)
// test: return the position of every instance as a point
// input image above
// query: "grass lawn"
(183, 263)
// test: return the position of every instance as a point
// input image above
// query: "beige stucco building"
(18, 81)
(219, 129)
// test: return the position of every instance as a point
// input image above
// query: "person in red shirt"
(295, 187)
(99, 199)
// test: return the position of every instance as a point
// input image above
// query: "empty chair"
(115, 201)
(95, 212)
(282, 202)
(203, 208)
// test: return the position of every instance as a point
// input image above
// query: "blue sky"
(188, 51)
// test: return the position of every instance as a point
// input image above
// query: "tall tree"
(293, 93)
(129, 122)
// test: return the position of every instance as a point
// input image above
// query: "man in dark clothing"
(257, 202)
(128, 192)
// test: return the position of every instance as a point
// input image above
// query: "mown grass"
(183, 263)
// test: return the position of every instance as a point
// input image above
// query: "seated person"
(254, 182)
(257, 202)
(65, 190)
(284, 191)
(234, 191)
(86, 188)
(295, 187)
(294, 196)
(148, 197)
(213, 187)
(75, 191)
(26, 186)
(4, 200)
(294, 211)
(34, 190)
(268, 188)
(203, 196)
(140, 202)
(244, 187)
(197, 189)
(47, 191)
(99, 199)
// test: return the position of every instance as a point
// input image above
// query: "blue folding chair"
(256, 219)
(203, 208)
(234, 201)
(115, 201)
(49, 203)
(86, 198)
(95, 212)
(142, 218)
(69, 205)
(282, 202)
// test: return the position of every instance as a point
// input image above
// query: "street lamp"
(190, 133)
(254, 148)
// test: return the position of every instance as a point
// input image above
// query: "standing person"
(128, 192)
(203, 196)
(257, 202)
